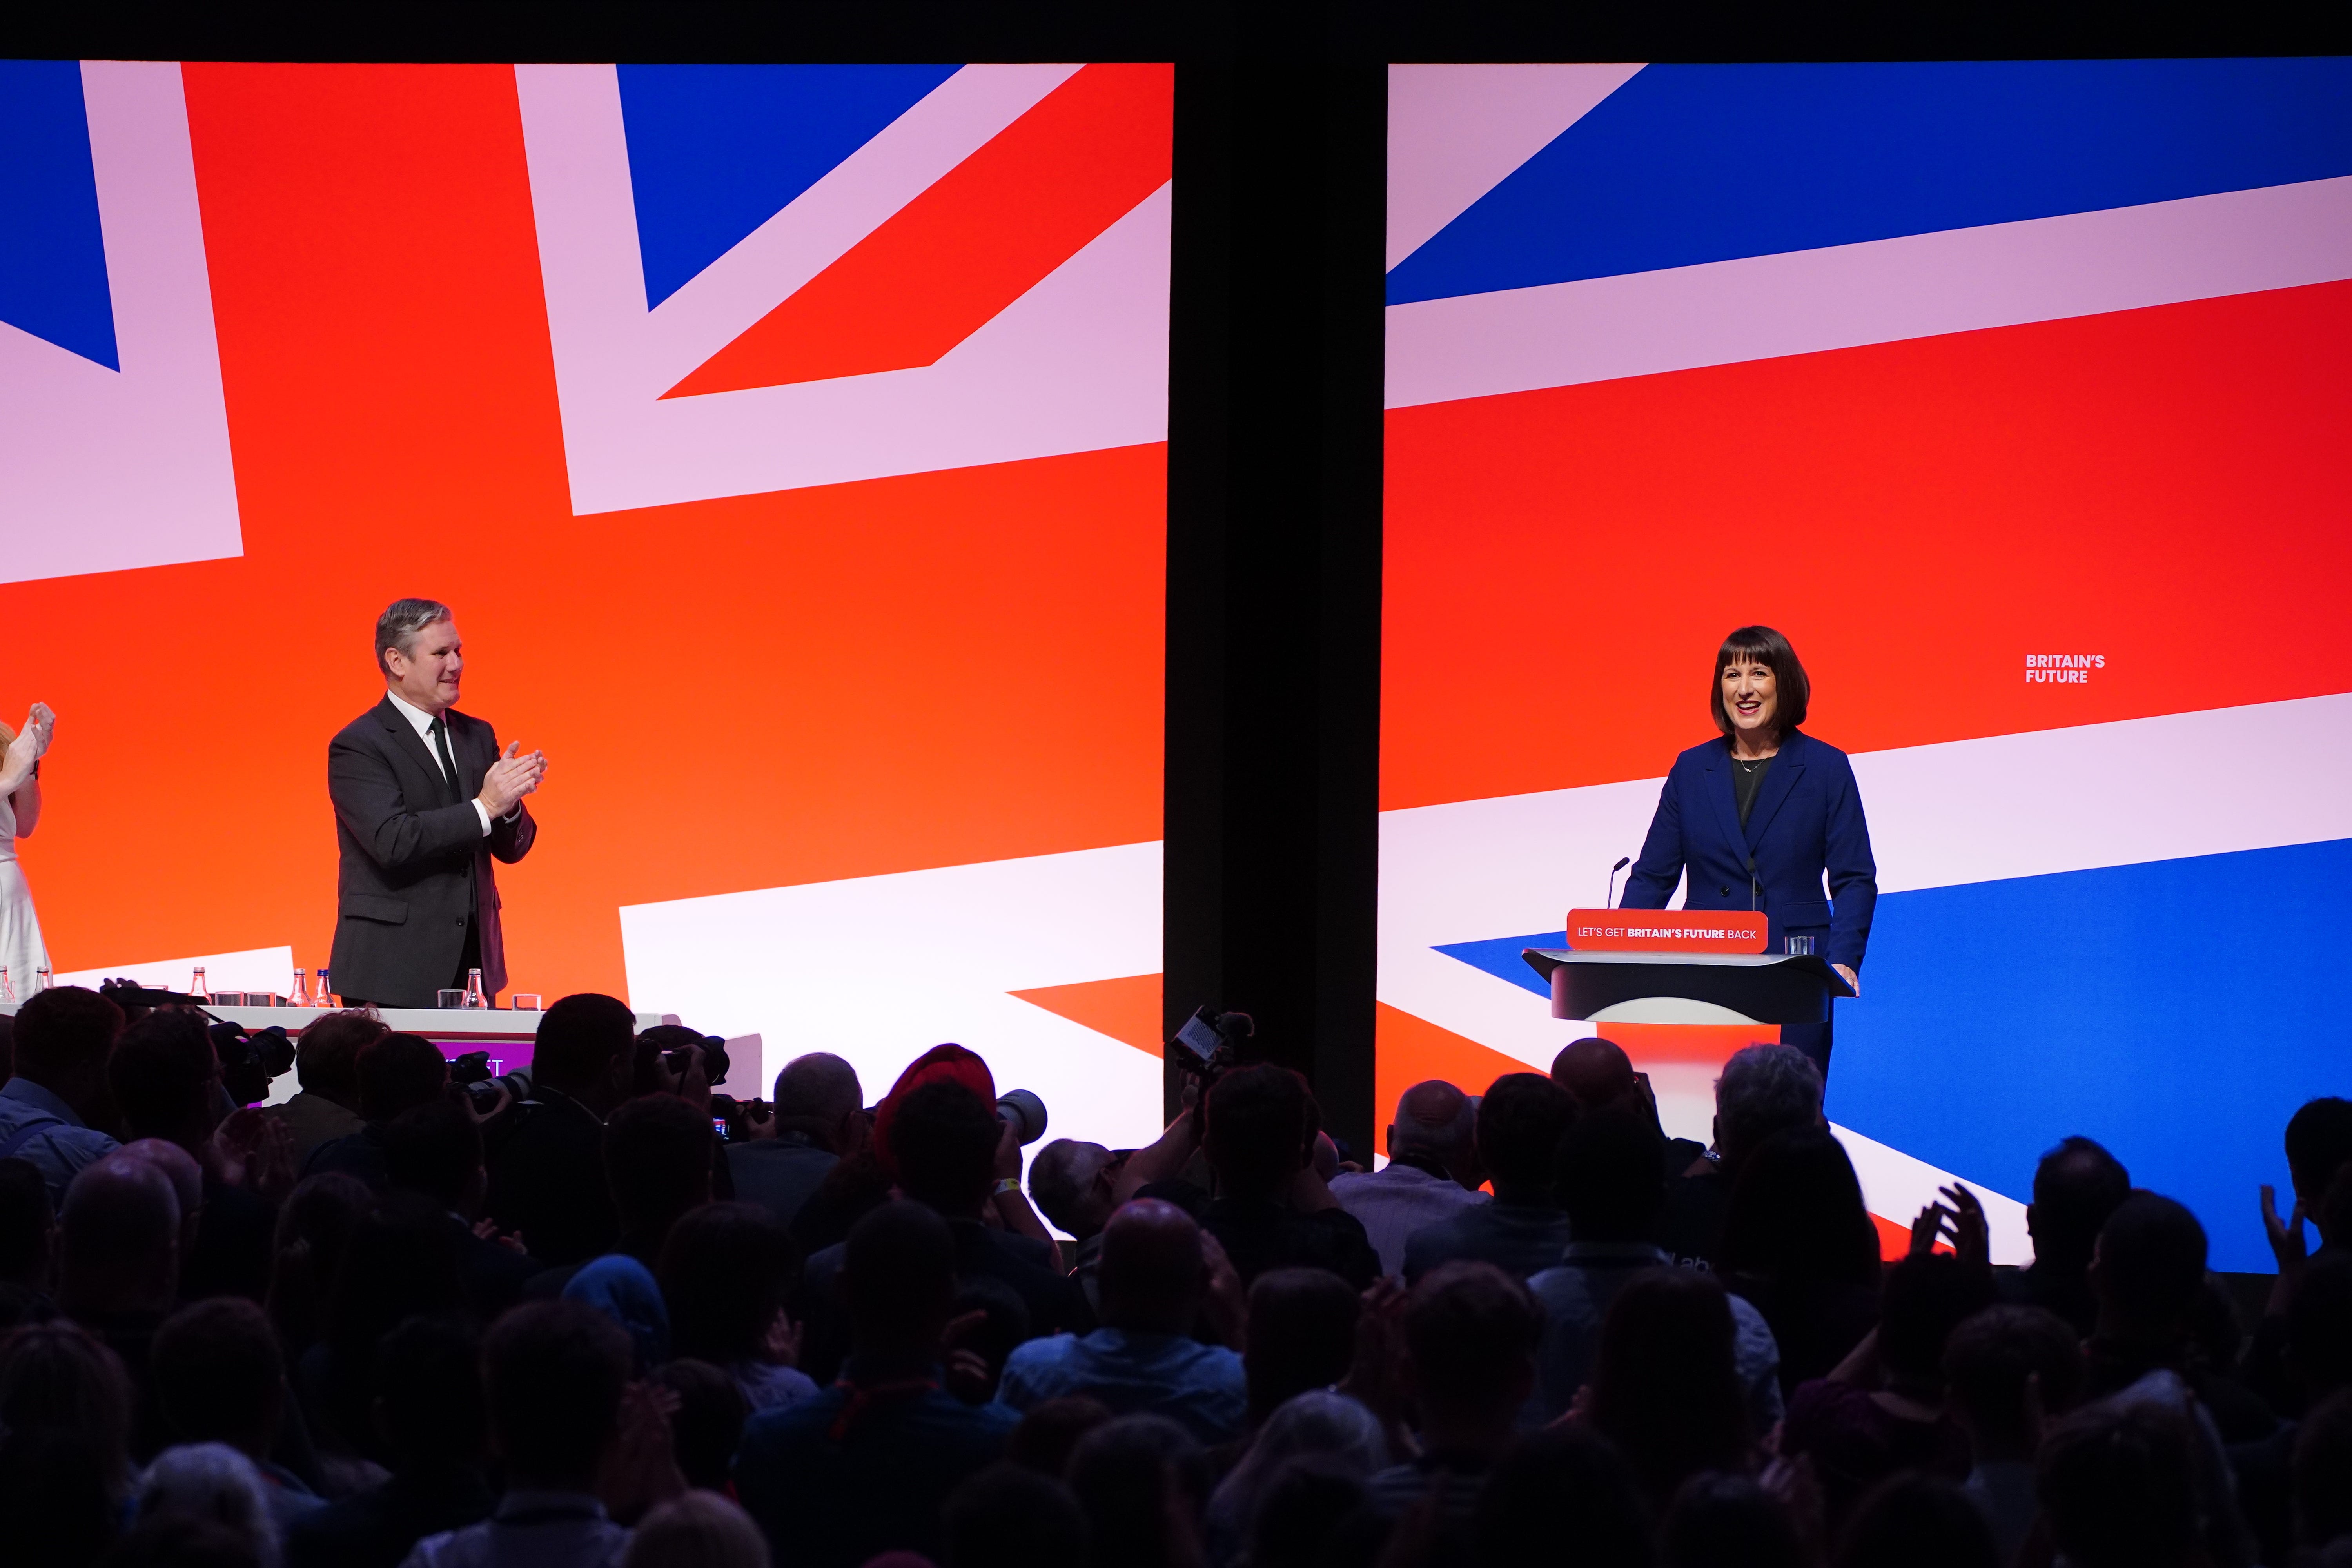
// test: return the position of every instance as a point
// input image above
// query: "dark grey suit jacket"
(415, 866)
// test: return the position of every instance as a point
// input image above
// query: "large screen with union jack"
(2014, 394)
(788, 440)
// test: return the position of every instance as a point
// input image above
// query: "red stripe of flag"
(956, 256)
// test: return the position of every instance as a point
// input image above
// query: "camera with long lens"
(472, 1073)
(249, 1059)
(1024, 1111)
(674, 1045)
(1213, 1041)
(714, 1060)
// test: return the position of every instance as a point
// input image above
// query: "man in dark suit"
(425, 802)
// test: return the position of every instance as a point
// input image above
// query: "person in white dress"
(22, 953)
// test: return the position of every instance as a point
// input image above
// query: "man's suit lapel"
(1788, 767)
(409, 743)
(1719, 792)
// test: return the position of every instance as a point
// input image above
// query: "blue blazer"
(1806, 825)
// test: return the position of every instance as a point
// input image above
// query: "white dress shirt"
(422, 722)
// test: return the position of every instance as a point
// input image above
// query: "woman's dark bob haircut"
(1762, 645)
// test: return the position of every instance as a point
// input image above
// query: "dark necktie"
(441, 744)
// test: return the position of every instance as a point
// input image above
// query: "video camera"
(1211, 1041)
(472, 1072)
(249, 1059)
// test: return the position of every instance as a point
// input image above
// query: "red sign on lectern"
(1665, 931)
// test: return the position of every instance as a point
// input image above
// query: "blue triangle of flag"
(1691, 163)
(715, 150)
(52, 254)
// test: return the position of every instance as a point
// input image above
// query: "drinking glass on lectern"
(449, 1000)
(1797, 946)
(526, 1002)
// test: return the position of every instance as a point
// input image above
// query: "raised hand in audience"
(251, 1150)
(488, 1229)
(1960, 1219)
(2285, 1236)
(781, 1346)
(640, 1469)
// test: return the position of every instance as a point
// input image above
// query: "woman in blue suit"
(1762, 817)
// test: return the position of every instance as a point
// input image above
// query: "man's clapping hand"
(511, 777)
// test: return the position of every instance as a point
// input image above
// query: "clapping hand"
(640, 1468)
(31, 741)
(1962, 1219)
(250, 1150)
(780, 1345)
(514, 775)
(2287, 1245)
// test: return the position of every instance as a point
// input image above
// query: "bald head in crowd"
(819, 1094)
(1152, 1268)
(1437, 1122)
(1595, 1072)
(180, 1169)
(1066, 1182)
(119, 1240)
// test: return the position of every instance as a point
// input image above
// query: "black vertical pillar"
(1273, 555)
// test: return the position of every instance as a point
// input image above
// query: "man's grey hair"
(400, 621)
(215, 1483)
(1060, 1176)
(819, 1087)
(1763, 1090)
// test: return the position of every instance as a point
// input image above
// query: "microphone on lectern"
(1610, 900)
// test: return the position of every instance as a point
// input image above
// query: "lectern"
(1689, 987)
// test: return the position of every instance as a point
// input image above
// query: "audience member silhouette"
(1665, 1387)
(434, 1431)
(1520, 1120)
(866, 1466)
(547, 1173)
(819, 1119)
(2076, 1187)
(1798, 1243)
(58, 1104)
(1614, 1188)
(1432, 1171)
(1763, 1090)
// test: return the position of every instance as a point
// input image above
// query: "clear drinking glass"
(474, 997)
(197, 988)
(1797, 946)
(449, 1000)
(526, 1002)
